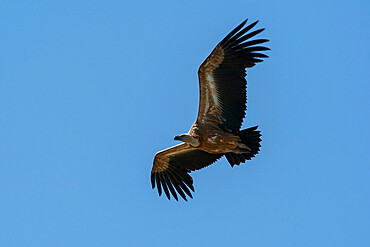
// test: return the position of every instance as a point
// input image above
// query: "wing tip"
(233, 32)
(152, 180)
(166, 183)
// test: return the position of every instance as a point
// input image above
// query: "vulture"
(222, 105)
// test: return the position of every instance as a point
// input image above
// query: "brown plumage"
(222, 104)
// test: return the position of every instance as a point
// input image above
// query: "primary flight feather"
(222, 104)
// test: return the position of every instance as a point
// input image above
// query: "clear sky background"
(91, 90)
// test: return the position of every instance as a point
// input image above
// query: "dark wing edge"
(238, 51)
(171, 170)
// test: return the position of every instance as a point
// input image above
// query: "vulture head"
(192, 141)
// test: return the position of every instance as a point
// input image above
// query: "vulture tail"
(251, 138)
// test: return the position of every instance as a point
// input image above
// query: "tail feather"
(251, 138)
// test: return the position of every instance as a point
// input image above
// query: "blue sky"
(91, 90)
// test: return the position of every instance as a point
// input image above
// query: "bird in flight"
(222, 104)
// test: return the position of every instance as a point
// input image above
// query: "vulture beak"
(177, 138)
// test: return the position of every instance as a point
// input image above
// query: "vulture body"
(216, 131)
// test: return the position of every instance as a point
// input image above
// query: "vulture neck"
(192, 141)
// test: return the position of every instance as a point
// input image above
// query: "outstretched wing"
(171, 168)
(222, 81)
